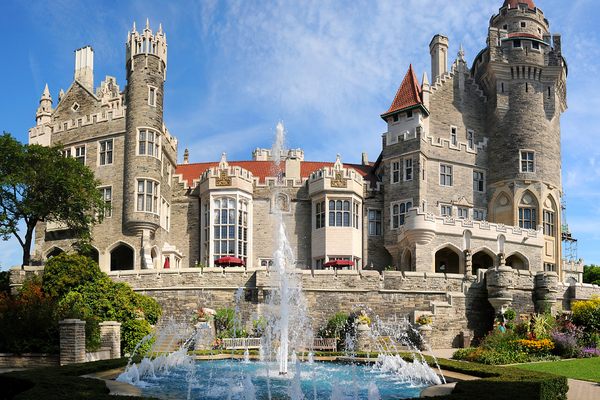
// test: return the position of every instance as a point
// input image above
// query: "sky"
(327, 69)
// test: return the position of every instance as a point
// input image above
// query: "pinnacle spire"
(133, 29)
(160, 28)
(425, 80)
(147, 24)
(46, 93)
(461, 53)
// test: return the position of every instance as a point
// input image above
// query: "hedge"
(497, 383)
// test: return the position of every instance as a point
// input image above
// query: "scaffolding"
(569, 243)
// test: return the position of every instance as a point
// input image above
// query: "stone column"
(546, 289)
(72, 341)
(363, 337)
(468, 262)
(499, 282)
(110, 336)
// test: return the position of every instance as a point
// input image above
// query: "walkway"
(578, 390)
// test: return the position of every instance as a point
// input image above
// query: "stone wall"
(33, 360)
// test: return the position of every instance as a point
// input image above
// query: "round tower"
(523, 75)
(144, 181)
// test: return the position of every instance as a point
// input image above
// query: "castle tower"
(438, 48)
(523, 75)
(145, 183)
(44, 111)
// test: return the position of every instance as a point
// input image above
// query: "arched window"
(54, 252)
(528, 211)
(549, 217)
(447, 261)
(517, 261)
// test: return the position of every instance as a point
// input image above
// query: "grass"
(586, 369)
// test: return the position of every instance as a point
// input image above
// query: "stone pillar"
(499, 282)
(468, 262)
(110, 336)
(546, 289)
(72, 341)
(363, 337)
(425, 331)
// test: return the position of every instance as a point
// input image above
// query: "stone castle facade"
(469, 176)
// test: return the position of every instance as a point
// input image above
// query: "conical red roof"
(515, 3)
(408, 95)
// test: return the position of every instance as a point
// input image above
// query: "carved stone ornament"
(338, 181)
(223, 179)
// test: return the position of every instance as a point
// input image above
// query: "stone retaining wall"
(32, 360)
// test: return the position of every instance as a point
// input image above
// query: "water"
(249, 381)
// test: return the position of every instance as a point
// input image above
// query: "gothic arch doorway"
(482, 260)
(121, 258)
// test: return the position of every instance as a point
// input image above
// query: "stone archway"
(517, 261)
(447, 260)
(121, 257)
(54, 252)
(406, 263)
(482, 260)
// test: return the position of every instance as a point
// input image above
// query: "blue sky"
(327, 69)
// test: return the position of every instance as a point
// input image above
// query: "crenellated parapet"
(225, 176)
(336, 179)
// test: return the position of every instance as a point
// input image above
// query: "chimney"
(84, 67)
(186, 156)
(438, 48)
(365, 159)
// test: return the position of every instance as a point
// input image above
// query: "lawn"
(587, 369)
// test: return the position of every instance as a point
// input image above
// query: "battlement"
(260, 154)
(146, 43)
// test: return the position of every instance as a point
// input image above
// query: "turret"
(438, 48)
(44, 111)
(147, 148)
(84, 67)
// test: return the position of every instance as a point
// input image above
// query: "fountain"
(286, 339)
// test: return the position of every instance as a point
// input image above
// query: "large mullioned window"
(344, 213)
(148, 143)
(147, 195)
(230, 227)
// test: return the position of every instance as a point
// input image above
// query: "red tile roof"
(264, 169)
(408, 94)
(515, 3)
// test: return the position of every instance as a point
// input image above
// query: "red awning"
(229, 261)
(339, 263)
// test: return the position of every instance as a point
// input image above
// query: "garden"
(541, 337)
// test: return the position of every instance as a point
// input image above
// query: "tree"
(39, 184)
(591, 274)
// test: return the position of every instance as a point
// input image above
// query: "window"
(409, 114)
(320, 215)
(395, 117)
(527, 219)
(445, 175)
(147, 196)
(339, 213)
(151, 96)
(505, 27)
(107, 197)
(550, 267)
(453, 136)
(242, 237)
(374, 222)
(478, 215)
(106, 152)
(523, 24)
(446, 210)
(478, 181)
(516, 43)
(399, 211)
(408, 169)
(148, 143)
(355, 215)
(462, 212)
(75, 106)
(527, 161)
(535, 45)
(395, 172)
(470, 139)
(80, 154)
(66, 152)
(165, 214)
(224, 224)
(319, 263)
(266, 263)
(549, 223)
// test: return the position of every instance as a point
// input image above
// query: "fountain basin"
(260, 380)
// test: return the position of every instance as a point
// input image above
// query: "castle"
(469, 175)
(459, 216)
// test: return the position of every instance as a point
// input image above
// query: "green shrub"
(66, 272)
(543, 325)
(336, 327)
(586, 313)
(224, 322)
(132, 332)
(4, 282)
